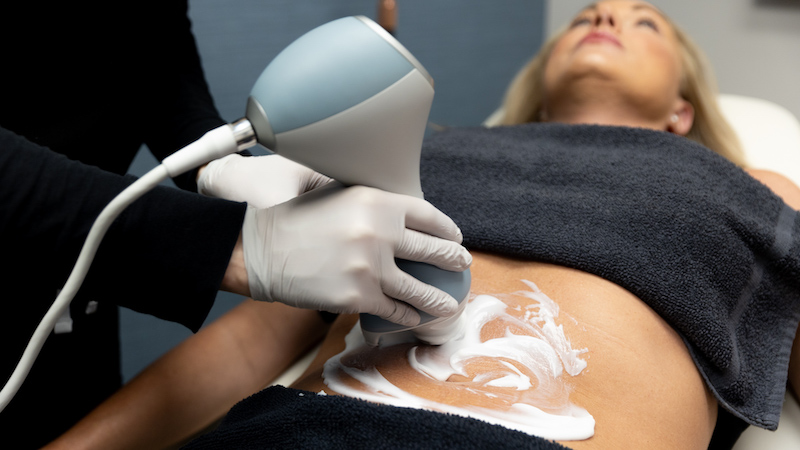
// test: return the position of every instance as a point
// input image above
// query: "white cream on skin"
(529, 362)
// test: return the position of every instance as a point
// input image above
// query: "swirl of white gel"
(543, 351)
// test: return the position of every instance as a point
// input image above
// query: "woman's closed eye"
(648, 23)
(580, 21)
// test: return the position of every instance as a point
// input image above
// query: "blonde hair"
(524, 98)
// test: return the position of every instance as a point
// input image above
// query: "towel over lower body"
(710, 249)
(284, 418)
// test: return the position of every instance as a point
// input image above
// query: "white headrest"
(770, 134)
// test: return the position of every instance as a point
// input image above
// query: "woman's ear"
(541, 116)
(682, 118)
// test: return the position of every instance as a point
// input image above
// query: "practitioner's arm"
(790, 194)
(196, 383)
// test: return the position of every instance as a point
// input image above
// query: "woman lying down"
(631, 287)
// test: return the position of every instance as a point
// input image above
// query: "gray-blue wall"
(472, 48)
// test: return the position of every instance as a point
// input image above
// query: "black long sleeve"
(96, 80)
(176, 245)
(165, 255)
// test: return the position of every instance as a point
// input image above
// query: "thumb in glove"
(260, 181)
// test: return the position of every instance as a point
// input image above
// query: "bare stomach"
(623, 366)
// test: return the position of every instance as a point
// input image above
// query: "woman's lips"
(600, 37)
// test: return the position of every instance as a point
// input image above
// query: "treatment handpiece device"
(345, 99)
(358, 117)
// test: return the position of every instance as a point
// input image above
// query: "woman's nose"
(604, 17)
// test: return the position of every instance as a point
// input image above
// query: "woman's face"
(623, 47)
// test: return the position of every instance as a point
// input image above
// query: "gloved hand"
(333, 249)
(261, 181)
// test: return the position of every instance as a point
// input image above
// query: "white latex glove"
(333, 249)
(261, 181)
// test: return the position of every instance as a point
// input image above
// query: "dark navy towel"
(283, 418)
(710, 249)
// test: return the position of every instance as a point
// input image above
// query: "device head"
(349, 101)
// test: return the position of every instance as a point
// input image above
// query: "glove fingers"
(392, 310)
(400, 313)
(423, 216)
(444, 254)
(424, 297)
(316, 180)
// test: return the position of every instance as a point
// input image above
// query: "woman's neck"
(602, 104)
(601, 113)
